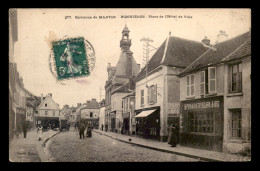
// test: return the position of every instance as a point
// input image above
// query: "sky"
(37, 28)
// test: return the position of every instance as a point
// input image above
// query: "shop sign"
(174, 108)
(202, 105)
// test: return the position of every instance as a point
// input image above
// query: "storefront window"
(236, 123)
(201, 122)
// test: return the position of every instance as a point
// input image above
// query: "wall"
(85, 113)
(41, 112)
(238, 100)
(167, 95)
(219, 84)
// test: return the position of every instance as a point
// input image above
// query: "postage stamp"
(73, 58)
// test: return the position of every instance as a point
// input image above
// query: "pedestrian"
(89, 132)
(24, 127)
(102, 126)
(39, 131)
(75, 126)
(106, 127)
(122, 129)
(81, 130)
(172, 139)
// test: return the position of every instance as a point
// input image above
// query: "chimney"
(50, 94)
(88, 101)
(222, 36)
(79, 104)
(94, 100)
(206, 41)
(41, 97)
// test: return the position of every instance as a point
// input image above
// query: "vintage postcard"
(129, 85)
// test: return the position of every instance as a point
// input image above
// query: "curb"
(163, 150)
(44, 143)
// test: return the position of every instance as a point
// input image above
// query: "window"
(142, 97)
(46, 112)
(236, 123)
(201, 122)
(202, 82)
(91, 114)
(236, 78)
(152, 94)
(45, 104)
(212, 79)
(190, 86)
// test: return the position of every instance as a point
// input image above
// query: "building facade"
(216, 97)
(102, 120)
(48, 113)
(17, 101)
(90, 113)
(128, 114)
(157, 95)
(117, 76)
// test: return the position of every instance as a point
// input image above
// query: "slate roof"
(179, 53)
(242, 51)
(91, 105)
(232, 47)
(122, 89)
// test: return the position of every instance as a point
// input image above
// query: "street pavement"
(67, 147)
(29, 149)
(200, 154)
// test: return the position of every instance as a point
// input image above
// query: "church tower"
(125, 42)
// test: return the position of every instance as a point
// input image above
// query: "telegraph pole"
(146, 51)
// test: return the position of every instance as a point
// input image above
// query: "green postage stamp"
(73, 58)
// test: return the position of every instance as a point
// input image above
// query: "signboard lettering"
(202, 105)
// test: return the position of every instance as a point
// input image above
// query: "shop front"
(202, 123)
(20, 118)
(48, 122)
(148, 123)
(113, 121)
(126, 117)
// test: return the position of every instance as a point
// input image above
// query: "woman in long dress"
(172, 139)
(40, 132)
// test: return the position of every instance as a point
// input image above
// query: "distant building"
(216, 97)
(90, 113)
(48, 113)
(157, 93)
(102, 120)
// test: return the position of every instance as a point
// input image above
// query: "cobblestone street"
(67, 147)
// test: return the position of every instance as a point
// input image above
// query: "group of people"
(106, 127)
(82, 129)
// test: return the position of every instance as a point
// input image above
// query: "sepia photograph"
(129, 85)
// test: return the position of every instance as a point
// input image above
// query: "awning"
(145, 113)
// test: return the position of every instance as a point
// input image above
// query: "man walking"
(106, 127)
(24, 127)
(81, 130)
